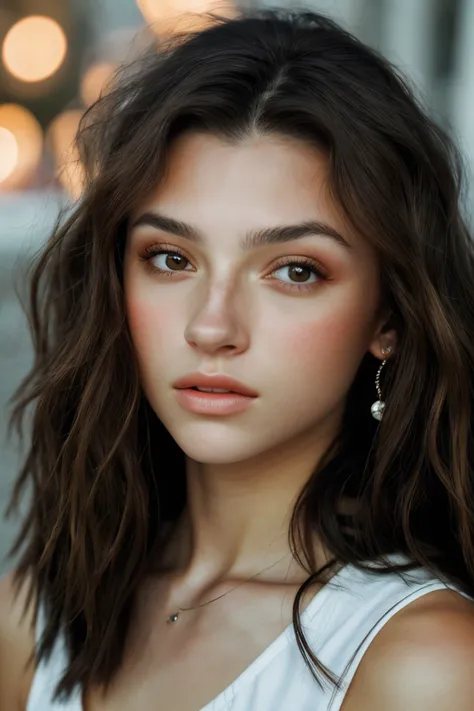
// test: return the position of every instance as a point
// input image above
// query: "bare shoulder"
(423, 658)
(16, 644)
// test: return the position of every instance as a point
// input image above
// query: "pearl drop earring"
(378, 407)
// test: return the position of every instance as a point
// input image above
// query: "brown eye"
(174, 261)
(165, 261)
(298, 273)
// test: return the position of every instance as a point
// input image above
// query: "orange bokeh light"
(96, 81)
(8, 153)
(62, 133)
(21, 145)
(34, 48)
(172, 15)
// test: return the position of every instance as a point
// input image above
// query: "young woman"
(251, 457)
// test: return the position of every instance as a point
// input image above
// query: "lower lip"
(201, 403)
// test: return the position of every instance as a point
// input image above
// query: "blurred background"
(57, 56)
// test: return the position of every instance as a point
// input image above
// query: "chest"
(185, 665)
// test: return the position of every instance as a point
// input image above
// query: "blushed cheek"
(319, 334)
(320, 345)
(148, 322)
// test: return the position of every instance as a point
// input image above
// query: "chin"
(217, 443)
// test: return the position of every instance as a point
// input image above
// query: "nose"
(217, 327)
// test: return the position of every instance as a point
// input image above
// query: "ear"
(384, 335)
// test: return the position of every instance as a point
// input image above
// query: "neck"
(237, 517)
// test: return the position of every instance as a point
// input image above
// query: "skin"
(223, 315)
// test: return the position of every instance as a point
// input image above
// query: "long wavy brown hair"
(104, 474)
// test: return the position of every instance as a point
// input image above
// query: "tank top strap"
(48, 674)
(360, 612)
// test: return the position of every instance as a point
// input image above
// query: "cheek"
(148, 322)
(315, 360)
(312, 343)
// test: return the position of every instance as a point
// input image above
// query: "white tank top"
(339, 623)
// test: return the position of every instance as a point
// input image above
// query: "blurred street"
(23, 227)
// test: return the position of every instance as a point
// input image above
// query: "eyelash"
(311, 264)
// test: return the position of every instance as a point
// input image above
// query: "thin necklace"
(174, 617)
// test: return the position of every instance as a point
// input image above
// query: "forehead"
(273, 165)
(229, 188)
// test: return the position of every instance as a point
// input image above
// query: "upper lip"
(222, 382)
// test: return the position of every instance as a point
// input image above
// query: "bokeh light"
(96, 81)
(34, 48)
(8, 153)
(167, 16)
(21, 145)
(61, 136)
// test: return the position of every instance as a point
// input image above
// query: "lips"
(220, 382)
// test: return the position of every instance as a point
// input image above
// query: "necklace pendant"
(173, 618)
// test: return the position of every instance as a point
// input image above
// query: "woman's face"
(256, 312)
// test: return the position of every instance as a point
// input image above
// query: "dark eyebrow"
(252, 240)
